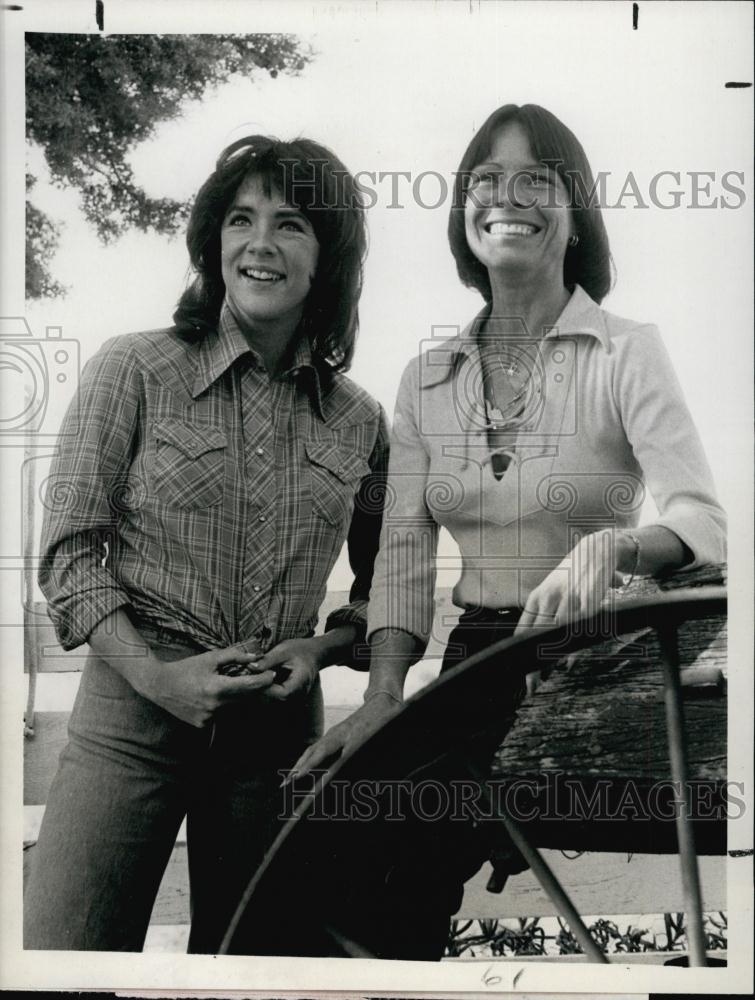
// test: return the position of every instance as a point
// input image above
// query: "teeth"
(252, 272)
(510, 229)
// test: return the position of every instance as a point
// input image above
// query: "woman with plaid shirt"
(205, 480)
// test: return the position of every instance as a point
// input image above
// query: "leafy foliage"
(494, 938)
(91, 99)
(42, 236)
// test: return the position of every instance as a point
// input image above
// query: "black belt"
(491, 616)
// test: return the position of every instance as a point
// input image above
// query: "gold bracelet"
(369, 695)
(627, 582)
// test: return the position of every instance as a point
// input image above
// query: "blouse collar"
(581, 316)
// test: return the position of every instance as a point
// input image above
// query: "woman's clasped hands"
(194, 689)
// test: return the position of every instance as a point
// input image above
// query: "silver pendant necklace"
(505, 392)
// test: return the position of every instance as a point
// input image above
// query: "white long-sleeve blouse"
(607, 421)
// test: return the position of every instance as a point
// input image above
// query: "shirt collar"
(303, 366)
(219, 349)
(581, 316)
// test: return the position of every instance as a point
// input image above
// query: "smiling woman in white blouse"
(533, 435)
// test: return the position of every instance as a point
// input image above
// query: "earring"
(573, 240)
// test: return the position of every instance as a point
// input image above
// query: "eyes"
(239, 220)
(522, 179)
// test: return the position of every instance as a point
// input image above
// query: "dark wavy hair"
(588, 263)
(312, 179)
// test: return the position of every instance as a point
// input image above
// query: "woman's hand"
(301, 660)
(347, 734)
(193, 689)
(576, 587)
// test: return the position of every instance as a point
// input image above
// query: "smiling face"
(269, 258)
(516, 214)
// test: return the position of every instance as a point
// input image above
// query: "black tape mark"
(635, 15)
(12, 6)
(740, 854)
(736, 83)
(99, 13)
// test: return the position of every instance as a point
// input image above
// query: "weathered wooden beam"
(589, 751)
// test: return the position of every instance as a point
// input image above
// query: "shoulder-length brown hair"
(588, 263)
(312, 179)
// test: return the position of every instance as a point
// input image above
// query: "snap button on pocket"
(189, 464)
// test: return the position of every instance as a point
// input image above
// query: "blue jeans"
(126, 779)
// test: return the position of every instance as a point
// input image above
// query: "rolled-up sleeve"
(403, 588)
(81, 498)
(362, 544)
(667, 446)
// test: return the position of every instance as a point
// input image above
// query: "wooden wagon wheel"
(334, 872)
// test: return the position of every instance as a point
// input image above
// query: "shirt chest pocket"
(335, 476)
(189, 463)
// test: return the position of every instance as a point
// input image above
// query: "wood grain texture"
(593, 740)
(603, 714)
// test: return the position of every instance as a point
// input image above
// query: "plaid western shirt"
(207, 497)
